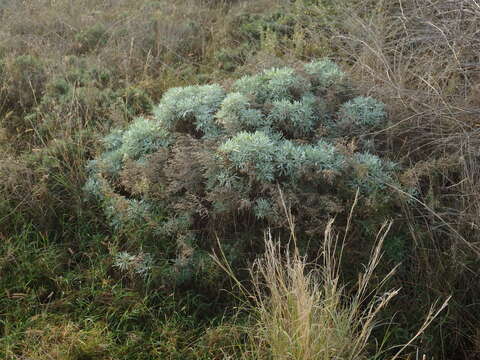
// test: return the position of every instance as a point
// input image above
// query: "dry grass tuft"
(301, 311)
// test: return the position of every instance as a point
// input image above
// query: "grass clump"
(306, 315)
(301, 310)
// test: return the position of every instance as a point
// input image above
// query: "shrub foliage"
(212, 161)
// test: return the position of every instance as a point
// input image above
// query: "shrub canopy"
(212, 160)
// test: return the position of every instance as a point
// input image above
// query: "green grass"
(67, 301)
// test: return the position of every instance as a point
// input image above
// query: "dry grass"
(305, 314)
(301, 311)
(421, 58)
(62, 340)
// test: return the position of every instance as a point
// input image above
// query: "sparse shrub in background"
(230, 58)
(25, 80)
(23, 84)
(91, 39)
(44, 187)
(216, 160)
(83, 96)
(137, 101)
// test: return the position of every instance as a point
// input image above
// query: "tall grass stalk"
(300, 309)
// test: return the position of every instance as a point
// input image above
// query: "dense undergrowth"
(139, 137)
